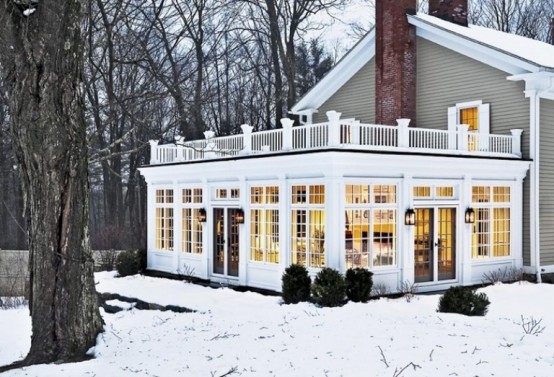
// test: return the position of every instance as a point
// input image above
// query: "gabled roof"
(513, 54)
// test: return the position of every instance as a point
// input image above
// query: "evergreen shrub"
(359, 282)
(128, 263)
(463, 301)
(295, 284)
(329, 288)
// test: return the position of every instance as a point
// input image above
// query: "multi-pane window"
(470, 116)
(434, 192)
(370, 225)
(164, 220)
(308, 225)
(491, 230)
(192, 227)
(264, 224)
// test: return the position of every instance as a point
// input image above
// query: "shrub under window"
(463, 301)
(296, 284)
(359, 282)
(329, 288)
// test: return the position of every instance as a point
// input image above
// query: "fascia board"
(345, 69)
(476, 50)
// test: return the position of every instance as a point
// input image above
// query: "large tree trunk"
(42, 71)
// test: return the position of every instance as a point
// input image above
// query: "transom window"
(226, 194)
(370, 225)
(164, 220)
(434, 192)
(308, 225)
(264, 224)
(192, 227)
(491, 230)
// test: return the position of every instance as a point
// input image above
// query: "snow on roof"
(534, 51)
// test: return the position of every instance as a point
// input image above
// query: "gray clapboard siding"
(546, 185)
(355, 99)
(445, 78)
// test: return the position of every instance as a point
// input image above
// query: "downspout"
(534, 154)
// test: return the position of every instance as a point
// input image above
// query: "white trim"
(345, 69)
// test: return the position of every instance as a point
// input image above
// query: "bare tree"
(41, 59)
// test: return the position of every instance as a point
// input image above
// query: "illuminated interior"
(308, 225)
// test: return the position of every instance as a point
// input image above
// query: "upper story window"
(476, 115)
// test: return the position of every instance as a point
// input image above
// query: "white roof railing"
(339, 133)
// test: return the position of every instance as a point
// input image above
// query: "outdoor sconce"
(202, 215)
(239, 216)
(409, 218)
(470, 216)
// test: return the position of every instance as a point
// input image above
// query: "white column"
(464, 251)
(177, 228)
(403, 132)
(355, 129)
(154, 152)
(334, 223)
(334, 128)
(151, 221)
(287, 133)
(405, 246)
(516, 141)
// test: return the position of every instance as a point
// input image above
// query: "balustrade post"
(154, 152)
(287, 133)
(355, 129)
(247, 139)
(211, 149)
(516, 141)
(180, 150)
(403, 132)
(462, 137)
(334, 128)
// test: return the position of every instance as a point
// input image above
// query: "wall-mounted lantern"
(409, 218)
(239, 216)
(202, 217)
(470, 216)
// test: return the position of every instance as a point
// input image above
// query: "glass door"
(226, 242)
(435, 244)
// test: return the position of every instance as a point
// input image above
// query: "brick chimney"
(449, 10)
(395, 62)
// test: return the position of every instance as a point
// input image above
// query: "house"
(422, 156)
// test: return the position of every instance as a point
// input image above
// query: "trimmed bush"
(142, 255)
(463, 301)
(329, 288)
(359, 282)
(296, 284)
(128, 263)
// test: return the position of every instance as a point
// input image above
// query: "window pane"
(481, 233)
(470, 116)
(481, 194)
(272, 194)
(317, 238)
(501, 235)
(356, 239)
(298, 239)
(256, 240)
(298, 194)
(256, 195)
(271, 235)
(357, 193)
(384, 237)
(501, 194)
(187, 196)
(317, 194)
(444, 192)
(422, 192)
(384, 194)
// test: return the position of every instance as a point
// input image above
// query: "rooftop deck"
(340, 133)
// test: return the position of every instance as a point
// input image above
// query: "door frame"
(212, 244)
(435, 206)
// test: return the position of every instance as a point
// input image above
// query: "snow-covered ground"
(257, 336)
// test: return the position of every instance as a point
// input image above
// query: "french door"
(226, 242)
(435, 244)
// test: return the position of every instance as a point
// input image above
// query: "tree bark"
(42, 62)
